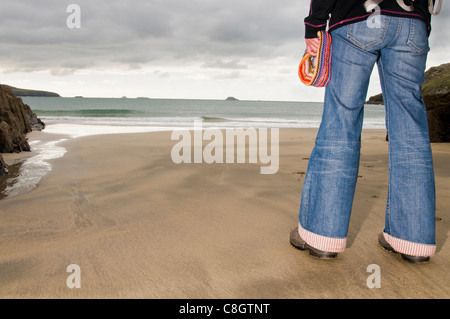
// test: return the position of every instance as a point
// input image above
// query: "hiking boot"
(299, 243)
(412, 259)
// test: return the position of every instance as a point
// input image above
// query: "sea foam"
(33, 168)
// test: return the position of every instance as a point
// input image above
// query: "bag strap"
(317, 71)
(431, 7)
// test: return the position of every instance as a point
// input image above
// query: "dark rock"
(376, 99)
(16, 120)
(438, 111)
(3, 167)
(35, 122)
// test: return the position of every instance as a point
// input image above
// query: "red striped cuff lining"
(409, 248)
(329, 244)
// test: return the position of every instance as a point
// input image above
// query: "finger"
(313, 41)
(312, 46)
(311, 51)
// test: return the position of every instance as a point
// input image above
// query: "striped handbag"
(316, 71)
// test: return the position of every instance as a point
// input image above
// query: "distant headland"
(27, 92)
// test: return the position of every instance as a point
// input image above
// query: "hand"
(312, 45)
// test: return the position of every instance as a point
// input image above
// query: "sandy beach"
(140, 226)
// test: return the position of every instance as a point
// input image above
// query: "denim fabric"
(399, 47)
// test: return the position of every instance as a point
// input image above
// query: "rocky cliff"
(436, 94)
(16, 120)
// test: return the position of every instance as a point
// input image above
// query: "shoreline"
(141, 226)
(46, 146)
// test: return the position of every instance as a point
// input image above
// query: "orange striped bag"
(316, 71)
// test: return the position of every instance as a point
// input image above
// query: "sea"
(77, 117)
(86, 116)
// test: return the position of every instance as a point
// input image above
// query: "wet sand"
(140, 226)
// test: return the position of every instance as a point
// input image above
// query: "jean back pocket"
(369, 33)
(418, 36)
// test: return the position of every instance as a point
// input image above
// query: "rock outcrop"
(438, 111)
(436, 95)
(376, 99)
(16, 120)
(3, 167)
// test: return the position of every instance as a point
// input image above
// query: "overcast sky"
(205, 49)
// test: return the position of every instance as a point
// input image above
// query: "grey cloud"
(227, 76)
(34, 35)
(133, 34)
(220, 64)
(440, 25)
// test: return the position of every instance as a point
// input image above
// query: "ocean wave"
(142, 122)
(214, 119)
(177, 122)
(32, 169)
(88, 112)
(120, 121)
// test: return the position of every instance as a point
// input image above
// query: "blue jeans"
(399, 46)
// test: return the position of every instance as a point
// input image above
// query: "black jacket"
(344, 12)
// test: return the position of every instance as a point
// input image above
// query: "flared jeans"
(399, 47)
